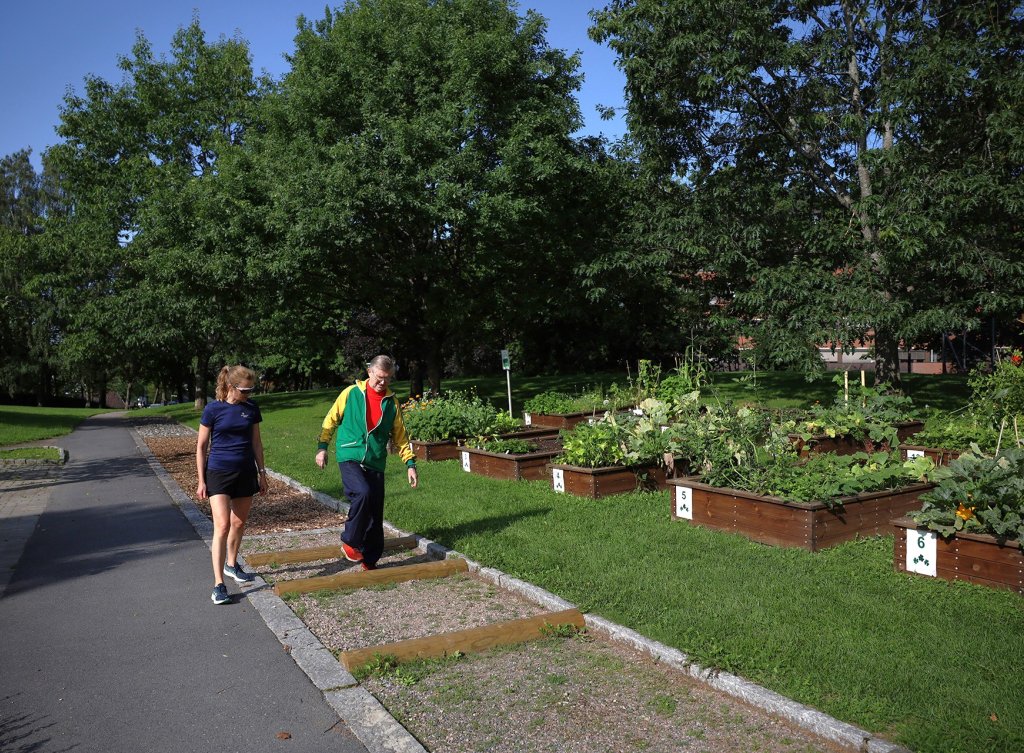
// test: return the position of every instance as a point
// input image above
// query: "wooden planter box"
(974, 557)
(446, 449)
(450, 449)
(602, 482)
(773, 520)
(559, 420)
(846, 445)
(938, 456)
(527, 466)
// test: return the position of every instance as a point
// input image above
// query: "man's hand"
(321, 458)
(413, 477)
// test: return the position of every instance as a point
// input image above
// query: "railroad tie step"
(312, 554)
(466, 641)
(380, 576)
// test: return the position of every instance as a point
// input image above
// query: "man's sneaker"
(352, 555)
(367, 566)
(220, 594)
(236, 572)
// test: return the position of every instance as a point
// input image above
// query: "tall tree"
(26, 318)
(423, 149)
(825, 144)
(159, 260)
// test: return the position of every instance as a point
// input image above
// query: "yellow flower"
(965, 513)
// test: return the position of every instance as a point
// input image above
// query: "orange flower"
(965, 513)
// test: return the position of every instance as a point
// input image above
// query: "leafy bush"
(957, 432)
(999, 394)
(553, 402)
(869, 416)
(978, 494)
(826, 477)
(506, 446)
(452, 416)
(594, 445)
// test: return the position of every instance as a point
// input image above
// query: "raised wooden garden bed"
(772, 520)
(938, 456)
(975, 557)
(445, 449)
(560, 420)
(450, 449)
(847, 445)
(602, 482)
(527, 466)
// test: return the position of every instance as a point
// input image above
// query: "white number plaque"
(684, 502)
(921, 552)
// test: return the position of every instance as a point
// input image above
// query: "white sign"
(505, 363)
(911, 454)
(527, 419)
(558, 479)
(922, 551)
(684, 502)
(465, 461)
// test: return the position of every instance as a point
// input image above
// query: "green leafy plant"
(594, 445)
(594, 401)
(827, 477)
(506, 446)
(978, 494)
(957, 431)
(454, 415)
(869, 416)
(999, 393)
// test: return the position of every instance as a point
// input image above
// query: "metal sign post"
(505, 364)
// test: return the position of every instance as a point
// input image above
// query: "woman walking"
(229, 462)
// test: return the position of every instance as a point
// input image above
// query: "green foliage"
(999, 393)
(503, 446)
(594, 445)
(454, 415)
(978, 494)
(594, 400)
(957, 431)
(870, 416)
(826, 477)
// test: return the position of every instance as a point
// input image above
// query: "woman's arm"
(202, 445)
(257, 451)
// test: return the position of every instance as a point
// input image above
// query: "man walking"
(366, 415)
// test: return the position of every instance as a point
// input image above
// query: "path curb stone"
(364, 716)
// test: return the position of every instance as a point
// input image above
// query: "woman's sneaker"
(236, 572)
(220, 594)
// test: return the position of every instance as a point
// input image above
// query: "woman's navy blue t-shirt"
(230, 427)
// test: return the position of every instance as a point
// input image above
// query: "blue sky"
(47, 46)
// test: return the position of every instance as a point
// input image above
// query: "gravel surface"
(559, 695)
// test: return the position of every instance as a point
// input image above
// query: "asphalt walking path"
(108, 638)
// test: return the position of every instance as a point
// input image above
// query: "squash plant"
(869, 416)
(977, 494)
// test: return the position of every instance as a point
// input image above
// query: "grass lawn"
(30, 453)
(24, 424)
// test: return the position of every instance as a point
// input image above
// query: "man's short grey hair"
(384, 363)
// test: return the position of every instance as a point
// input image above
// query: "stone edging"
(62, 456)
(362, 723)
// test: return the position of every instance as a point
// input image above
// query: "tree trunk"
(434, 365)
(887, 360)
(201, 383)
(415, 378)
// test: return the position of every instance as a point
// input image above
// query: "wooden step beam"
(312, 554)
(359, 578)
(465, 641)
